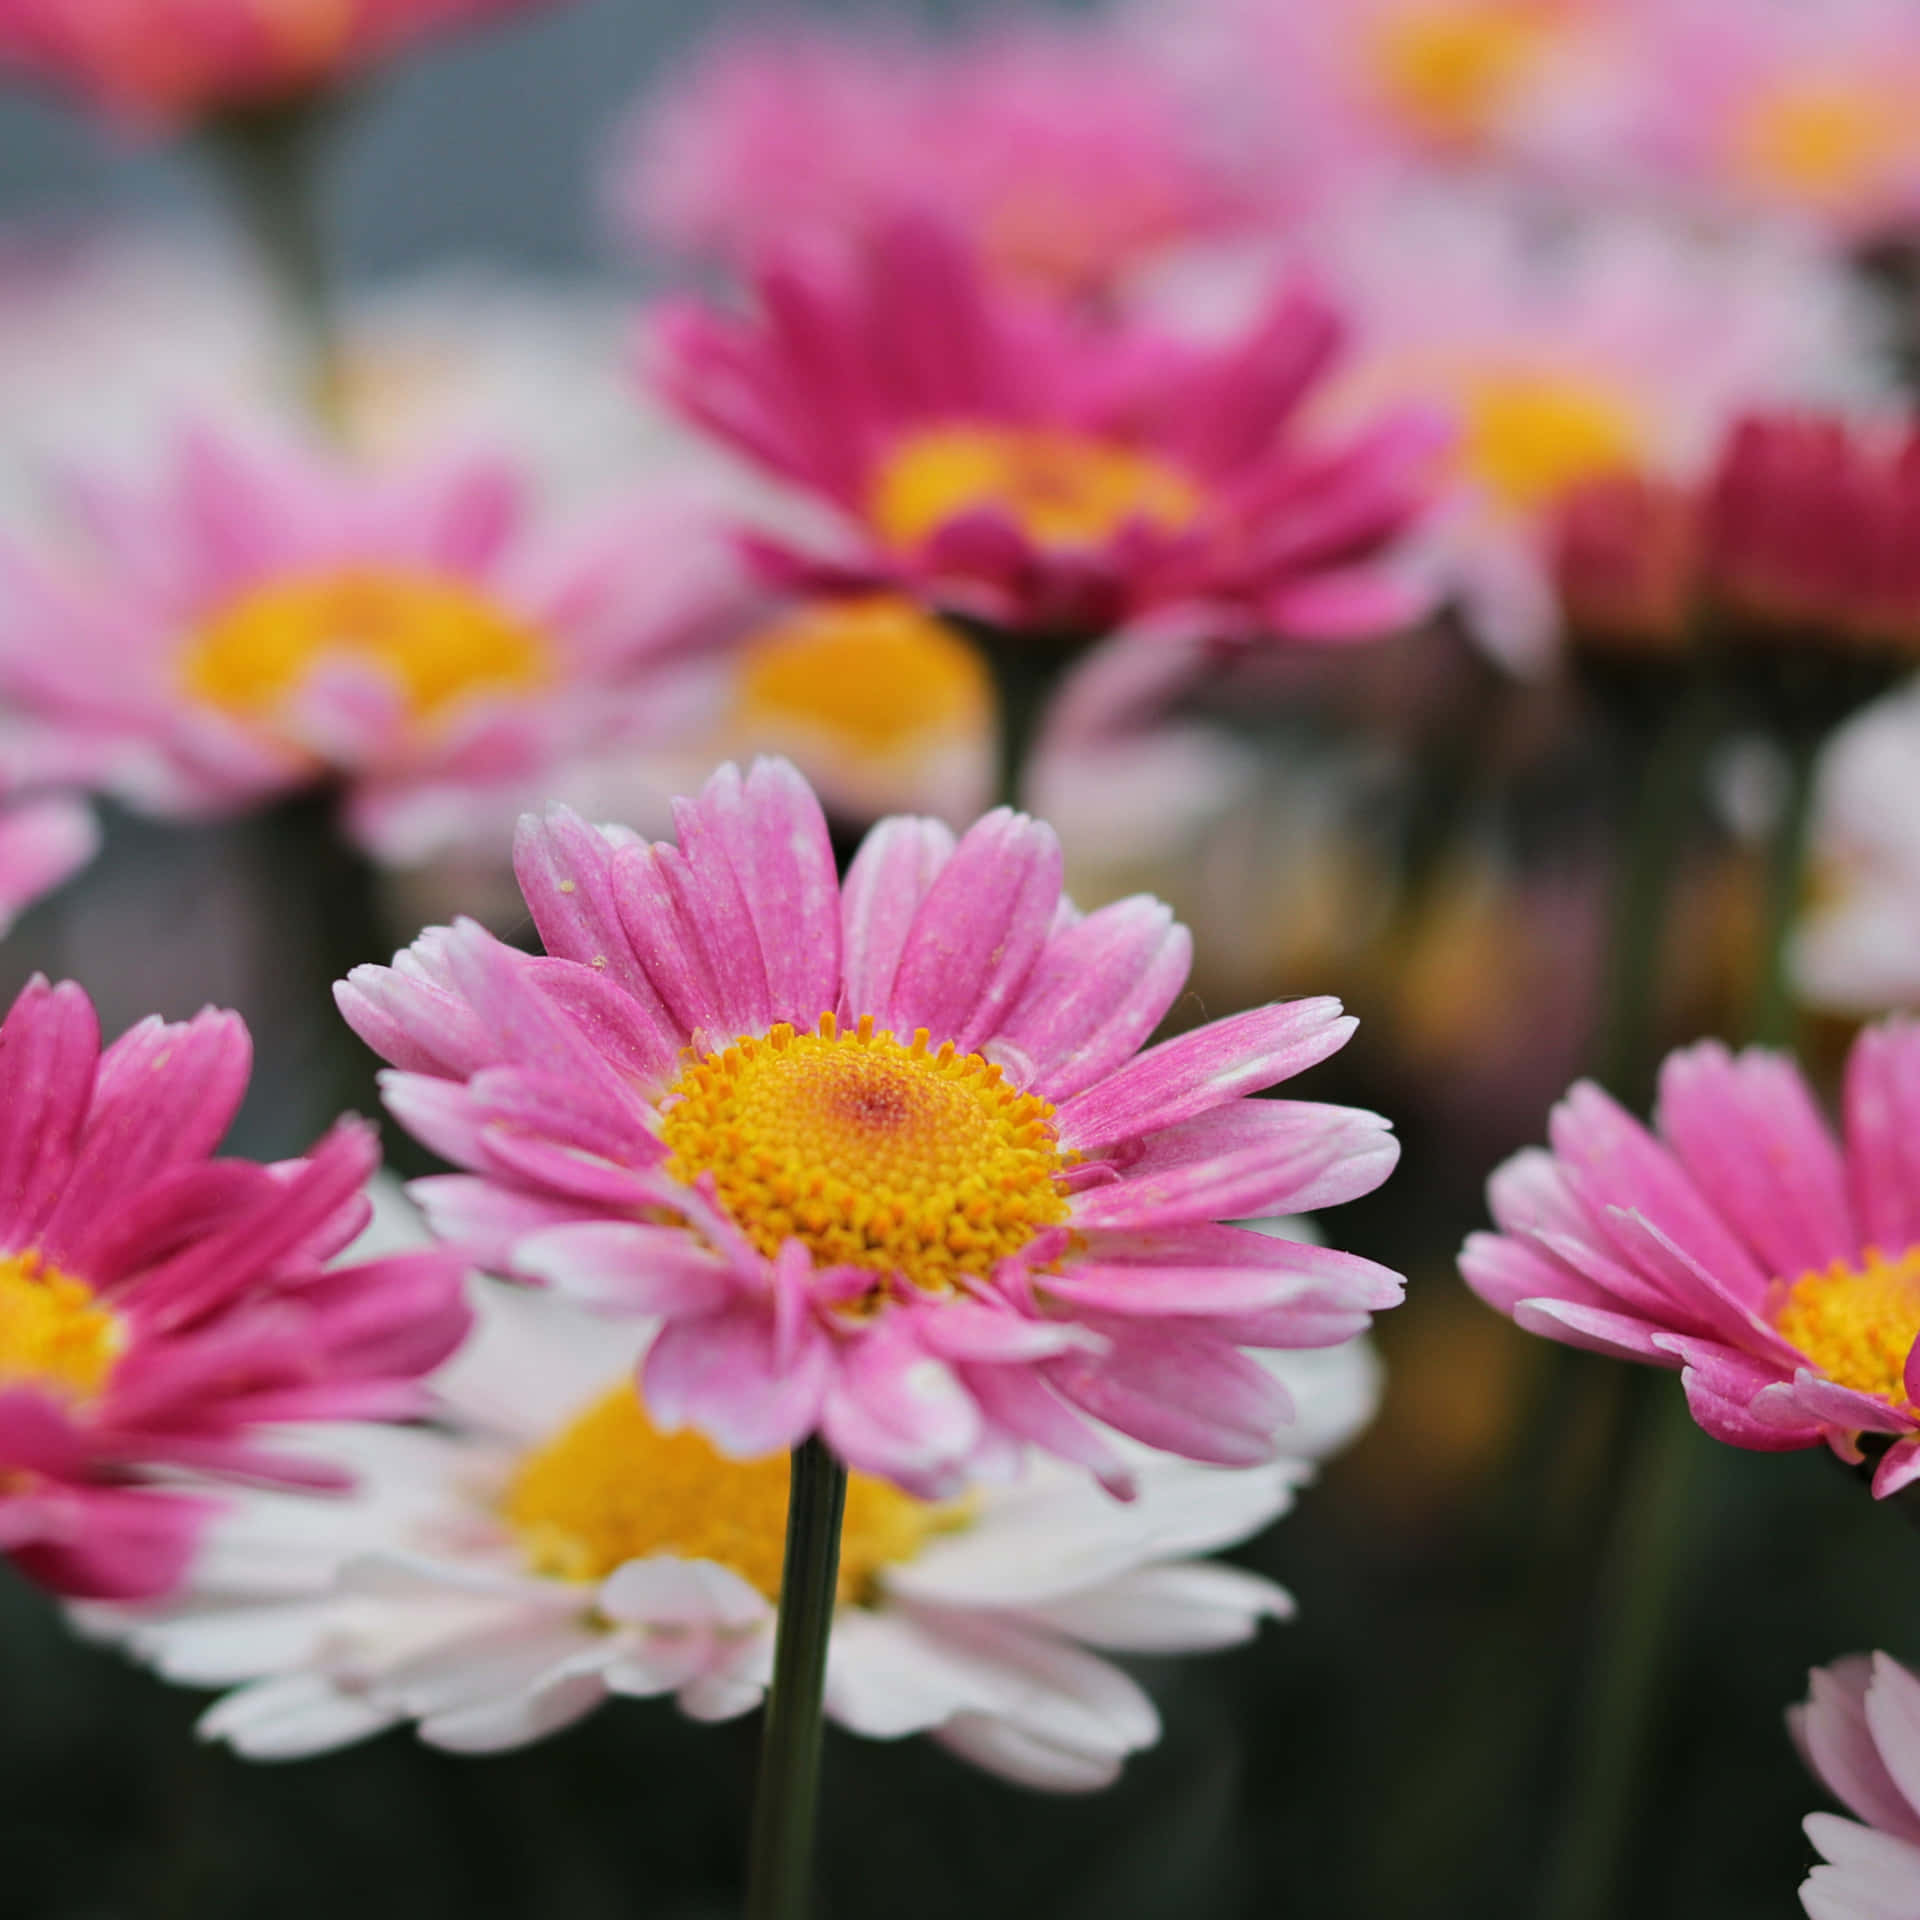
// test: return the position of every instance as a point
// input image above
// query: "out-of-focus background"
(1415, 830)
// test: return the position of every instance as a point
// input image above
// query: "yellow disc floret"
(874, 675)
(53, 1333)
(1447, 68)
(901, 1159)
(1530, 438)
(1064, 490)
(1857, 1324)
(1820, 138)
(435, 639)
(609, 1488)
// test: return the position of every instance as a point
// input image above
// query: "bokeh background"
(1402, 1748)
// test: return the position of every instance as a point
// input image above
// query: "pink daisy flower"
(268, 619)
(1776, 1267)
(1058, 147)
(161, 1309)
(160, 62)
(883, 1155)
(1859, 1732)
(1039, 470)
(43, 842)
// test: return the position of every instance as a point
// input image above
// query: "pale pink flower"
(1859, 1731)
(164, 1310)
(44, 840)
(161, 62)
(883, 1155)
(264, 619)
(1040, 470)
(1776, 1267)
(1058, 147)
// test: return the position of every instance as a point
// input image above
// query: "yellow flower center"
(894, 1158)
(435, 639)
(53, 1333)
(1823, 137)
(609, 1488)
(1531, 438)
(875, 676)
(1445, 67)
(1857, 1325)
(1064, 490)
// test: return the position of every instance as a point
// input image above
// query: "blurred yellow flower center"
(896, 1158)
(1857, 1325)
(1062, 489)
(876, 675)
(436, 640)
(1821, 137)
(1531, 438)
(1444, 66)
(610, 1488)
(53, 1332)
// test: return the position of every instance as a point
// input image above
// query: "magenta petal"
(628, 1268)
(49, 1046)
(1899, 1468)
(1883, 1133)
(109, 1543)
(890, 875)
(1022, 1403)
(720, 1374)
(1594, 1329)
(1206, 1068)
(484, 1220)
(978, 932)
(894, 1410)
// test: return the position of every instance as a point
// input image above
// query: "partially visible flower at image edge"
(542, 1547)
(1775, 1267)
(885, 1156)
(162, 1310)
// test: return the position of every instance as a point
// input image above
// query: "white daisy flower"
(545, 1547)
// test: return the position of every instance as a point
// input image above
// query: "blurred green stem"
(1773, 1011)
(272, 161)
(1623, 1668)
(1026, 670)
(780, 1860)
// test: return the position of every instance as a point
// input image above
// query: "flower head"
(266, 620)
(161, 1309)
(162, 62)
(1777, 1267)
(1018, 463)
(546, 1546)
(885, 1156)
(1060, 149)
(1857, 1733)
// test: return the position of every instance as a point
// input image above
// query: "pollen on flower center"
(1531, 438)
(53, 1332)
(1062, 489)
(875, 673)
(1444, 67)
(1857, 1325)
(901, 1159)
(1822, 137)
(609, 1488)
(436, 640)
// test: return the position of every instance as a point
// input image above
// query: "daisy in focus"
(1859, 1733)
(1058, 147)
(159, 63)
(884, 1156)
(263, 620)
(1777, 1268)
(164, 1310)
(545, 1546)
(1043, 472)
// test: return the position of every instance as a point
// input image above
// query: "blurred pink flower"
(1019, 464)
(1859, 1731)
(884, 1156)
(161, 62)
(1058, 147)
(44, 840)
(267, 619)
(160, 1309)
(1777, 1268)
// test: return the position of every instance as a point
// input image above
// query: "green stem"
(1026, 669)
(1622, 1674)
(780, 1860)
(1773, 1014)
(271, 158)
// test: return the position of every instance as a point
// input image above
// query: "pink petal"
(722, 1375)
(889, 878)
(49, 1045)
(1883, 1133)
(628, 1268)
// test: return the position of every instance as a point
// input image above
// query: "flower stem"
(1773, 1012)
(1026, 669)
(1636, 1589)
(271, 159)
(780, 1860)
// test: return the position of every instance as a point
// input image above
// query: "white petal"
(516, 1721)
(292, 1717)
(1026, 1760)
(1185, 1608)
(666, 1591)
(1873, 1875)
